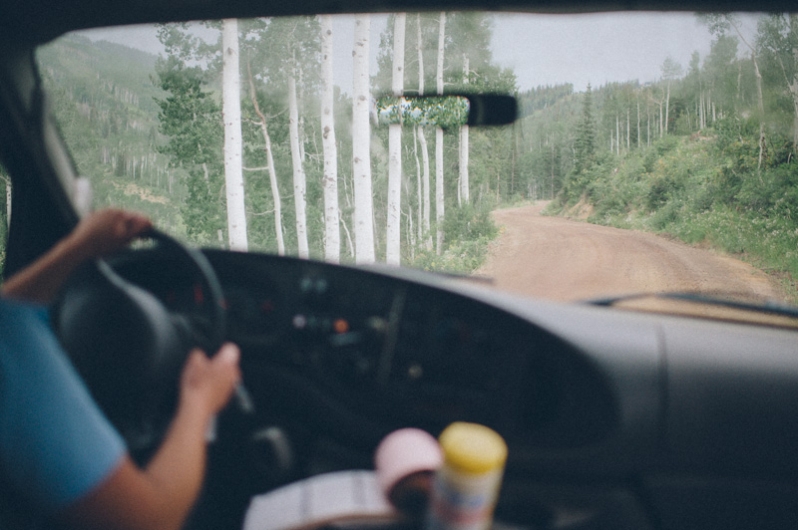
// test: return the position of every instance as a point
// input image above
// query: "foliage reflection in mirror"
(447, 112)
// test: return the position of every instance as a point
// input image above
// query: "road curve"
(562, 259)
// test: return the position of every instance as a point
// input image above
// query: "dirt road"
(561, 259)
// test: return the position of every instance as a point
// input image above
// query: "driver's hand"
(107, 231)
(99, 234)
(209, 382)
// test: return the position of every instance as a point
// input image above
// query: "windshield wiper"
(768, 306)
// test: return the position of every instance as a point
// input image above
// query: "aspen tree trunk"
(267, 146)
(439, 213)
(332, 233)
(551, 176)
(667, 107)
(761, 106)
(422, 140)
(301, 121)
(628, 131)
(638, 123)
(760, 101)
(349, 244)
(394, 214)
(617, 135)
(463, 195)
(708, 109)
(231, 111)
(419, 192)
(701, 123)
(420, 52)
(424, 226)
(794, 91)
(410, 231)
(361, 143)
(300, 192)
(793, 85)
(739, 79)
(703, 110)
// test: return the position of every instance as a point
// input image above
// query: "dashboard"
(613, 419)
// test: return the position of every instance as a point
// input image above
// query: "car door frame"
(36, 158)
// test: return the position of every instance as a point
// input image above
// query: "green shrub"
(707, 192)
(468, 231)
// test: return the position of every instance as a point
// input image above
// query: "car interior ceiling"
(41, 20)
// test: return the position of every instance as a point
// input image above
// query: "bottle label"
(462, 502)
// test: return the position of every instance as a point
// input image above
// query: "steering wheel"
(128, 347)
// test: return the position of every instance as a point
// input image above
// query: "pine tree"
(191, 120)
(585, 143)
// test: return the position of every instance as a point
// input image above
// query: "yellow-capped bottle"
(466, 487)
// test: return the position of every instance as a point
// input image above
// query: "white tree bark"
(793, 83)
(424, 208)
(734, 23)
(231, 111)
(701, 108)
(419, 192)
(361, 143)
(299, 171)
(464, 185)
(760, 106)
(667, 106)
(422, 140)
(267, 146)
(332, 233)
(439, 213)
(394, 214)
(420, 52)
(628, 131)
(301, 121)
(349, 244)
(638, 121)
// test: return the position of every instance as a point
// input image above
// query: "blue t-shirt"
(55, 443)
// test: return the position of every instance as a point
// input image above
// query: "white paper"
(320, 500)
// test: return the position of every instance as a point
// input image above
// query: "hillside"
(104, 98)
(691, 188)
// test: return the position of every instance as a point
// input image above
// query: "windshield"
(652, 152)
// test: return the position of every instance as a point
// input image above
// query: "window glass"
(653, 151)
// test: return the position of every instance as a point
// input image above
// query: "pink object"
(403, 453)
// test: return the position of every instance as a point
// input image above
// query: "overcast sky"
(542, 49)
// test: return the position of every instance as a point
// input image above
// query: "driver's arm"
(160, 496)
(101, 233)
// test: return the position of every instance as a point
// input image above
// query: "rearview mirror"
(447, 111)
